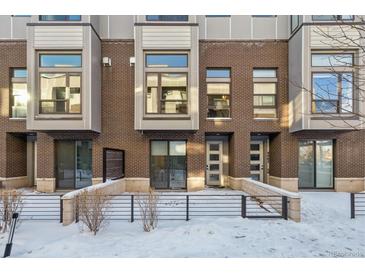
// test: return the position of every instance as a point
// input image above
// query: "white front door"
(257, 160)
(214, 168)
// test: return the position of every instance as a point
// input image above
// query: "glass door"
(168, 164)
(74, 164)
(257, 160)
(65, 151)
(316, 164)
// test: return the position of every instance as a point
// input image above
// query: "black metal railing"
(357, 201)
(190, 206)
(39, 207)
(9, 244)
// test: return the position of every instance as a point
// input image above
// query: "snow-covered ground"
(326, 230)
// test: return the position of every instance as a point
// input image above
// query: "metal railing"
(39, 207)
(190, 206)
(9, 244)
(357, 201)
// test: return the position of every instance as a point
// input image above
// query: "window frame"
(66, 20)
(265, 80)
(69, 71)
(338, 105)
(12, 80)
(218, 80)
(334, 70)
(60, 54)
(159, 93)
(157, 67)
(167, 70)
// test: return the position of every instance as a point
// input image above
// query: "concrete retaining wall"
(256, 188)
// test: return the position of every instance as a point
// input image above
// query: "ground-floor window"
(73, 164)
(168, 164)
(316, 164)
(113, 164)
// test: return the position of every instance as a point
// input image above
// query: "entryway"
(316, 164)
(259, 158)
(217, 151)
(168, 164)
(73, 164)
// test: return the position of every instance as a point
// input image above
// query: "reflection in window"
(332, 60)
(18, 100)
(264, 90)
(332, 17)
(167, 60)
(175, 18)
(60, 60)
(60, 18)
(218, 92)
(60, 93)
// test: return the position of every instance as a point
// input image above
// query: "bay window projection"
(332, 83)
(166, 84)
(18, 98)
(218, 92)
(264, 93)
(60, 83)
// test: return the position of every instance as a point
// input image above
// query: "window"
(332, 82)
(59, 83)
(263, 16)
(167, 93)
(217, 16)
(60, 18)
(18, 98)
(294, 22)
(332, 92)
(166, 78)
(218, 92)
(332, 60)
(332, 17)
(60, 60)
(167, 60)
(174, 18)
(264, 93)
(113, 164)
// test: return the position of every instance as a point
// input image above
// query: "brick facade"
(118, 117)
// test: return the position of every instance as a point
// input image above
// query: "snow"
(326, 230)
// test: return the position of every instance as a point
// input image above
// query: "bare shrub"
(92, 209)
(148, 209)
(10, 202)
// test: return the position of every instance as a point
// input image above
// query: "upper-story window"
(294, 22)
(218, 92)
(18, 98)
(264, 92)
(169, 18)
(166, 83)
(59, 17)
(332, 17)
(60, 83)
(332, 83)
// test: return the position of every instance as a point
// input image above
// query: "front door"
(257, 160)
(214, 168)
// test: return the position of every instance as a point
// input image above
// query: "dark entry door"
(65, 164)
(168, 164)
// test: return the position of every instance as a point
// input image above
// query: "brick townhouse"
(178, 102)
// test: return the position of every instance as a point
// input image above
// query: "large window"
(168, 164)
(60, 18)
(166, 88)
(332, 17)
(113, 164)
(172, 18)
(332, 83)
(18, 98)
(264, 93)
(59, 83)
(218, 92)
